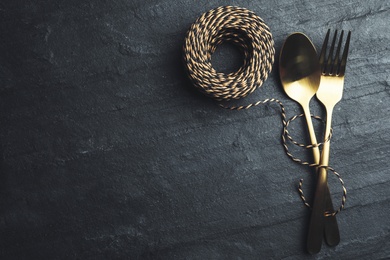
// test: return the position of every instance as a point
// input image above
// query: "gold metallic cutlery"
(329, 93)
(300, 73)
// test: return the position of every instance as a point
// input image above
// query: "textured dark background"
(108, 152)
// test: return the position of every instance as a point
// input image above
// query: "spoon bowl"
(299, 68)
(300, 74)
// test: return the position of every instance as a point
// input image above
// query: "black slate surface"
(108, 152)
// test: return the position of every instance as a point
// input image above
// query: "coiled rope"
(252, 36)
(240, 27)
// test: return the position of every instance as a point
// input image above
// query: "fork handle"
(332, 234)
(316, 226)
(331, 229)
(317, 220)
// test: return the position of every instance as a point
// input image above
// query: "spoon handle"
(316, 226)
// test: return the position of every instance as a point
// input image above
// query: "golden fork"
(329, 93)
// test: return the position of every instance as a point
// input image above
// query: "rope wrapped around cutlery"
(252, 36)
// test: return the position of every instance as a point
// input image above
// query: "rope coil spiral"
(252, 36)
(240, 27)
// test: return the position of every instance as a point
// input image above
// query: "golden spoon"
(300, 75)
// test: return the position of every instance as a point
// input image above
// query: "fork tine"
(343, 62)
(336, 62)
(323, 52)
(329, 62)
